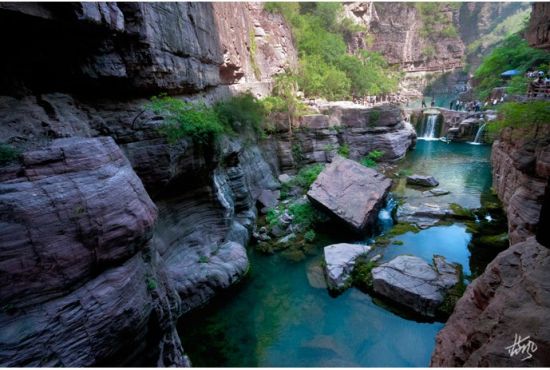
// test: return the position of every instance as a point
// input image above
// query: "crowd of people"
(539, 84)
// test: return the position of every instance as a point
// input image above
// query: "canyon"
(110, 233)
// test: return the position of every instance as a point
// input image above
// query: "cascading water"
(479, 135)
(429, 125)
(385, 219)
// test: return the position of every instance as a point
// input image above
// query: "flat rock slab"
(350, 192)
(339, 261)
(419, 180)
(413, 283)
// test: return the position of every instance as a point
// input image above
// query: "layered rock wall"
(98, 273)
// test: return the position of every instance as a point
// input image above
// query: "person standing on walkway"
(432, 104)
(451, 105)
(423, 103)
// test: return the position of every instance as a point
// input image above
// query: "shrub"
(361, 276)
(371, 160)
(529, 116)
(304, 215)
(183, 119)
(309, 236)
(344, 151)
(307, 175)
(240, 111)
(151, 283)
(7, 153)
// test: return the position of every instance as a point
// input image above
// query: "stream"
(276, 318)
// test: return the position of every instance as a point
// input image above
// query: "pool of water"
(278, 318)
(461, 168)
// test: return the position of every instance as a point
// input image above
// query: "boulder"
(73, 209)
(438, 192)
(268, 199)
(350, 192)
(339, 263)
(413, 283)
(419, 180)
(284, 178)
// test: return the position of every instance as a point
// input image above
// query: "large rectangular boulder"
(350, 192)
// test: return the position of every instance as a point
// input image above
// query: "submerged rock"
(350, 192)
(413, 283)
(420, 180)
(438, 192)
(340, 260)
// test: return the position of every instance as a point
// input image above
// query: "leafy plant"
(204, 259)
(307, 175)
(361, 276)
(240, 111)
(151, 283)
(344, 150)
(309, 236)
(183, 119)
(371, 159)
(304, 214)
(253, 48)
(530, 116)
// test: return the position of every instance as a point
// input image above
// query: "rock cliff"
(538, 30)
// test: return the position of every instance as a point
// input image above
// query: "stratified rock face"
(350, 192)
(339, 263)
(368, 129)
(538, 30)
(360, 129)
(412, 282)
(151, 47)
(73, 210)
(397, 31)
(520, 172)
(78, 276)
(512, 297)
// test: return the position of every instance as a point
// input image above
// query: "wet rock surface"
(420, 180)
(412, 282)
(350, 192)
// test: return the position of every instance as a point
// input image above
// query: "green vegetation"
(204, 259)
(461, 212)
(529, 116)
(361, 276)
(7, 154)
(204, 124)
(304, 215)
(512, 53)
(452, 296)
(183, 119)
(307, 175)
(253, 48)
(326, 69)
(344, 151)
(371, 159)
(151, 283)
(509, 26)
(241, 111)
(435, 22)
(309, 236)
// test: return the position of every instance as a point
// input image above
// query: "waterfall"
(429, 126)
(479, 135)
(385, 219)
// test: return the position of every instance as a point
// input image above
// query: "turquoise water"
(461, 168)
(276, 318)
